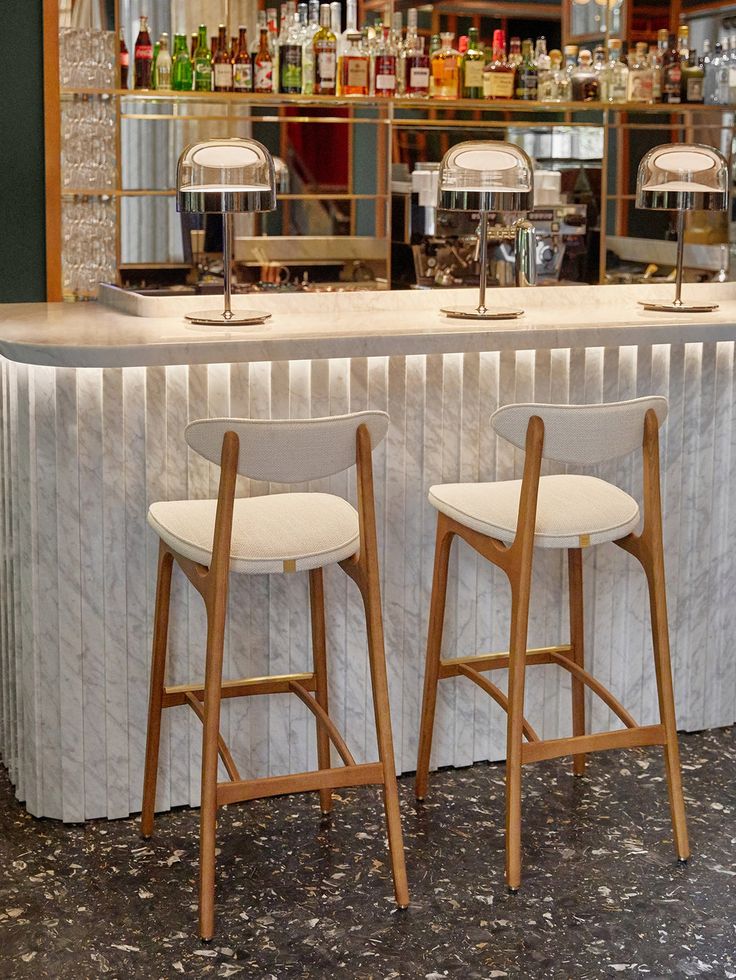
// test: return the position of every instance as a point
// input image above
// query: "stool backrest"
(582, 434)
(288, 450)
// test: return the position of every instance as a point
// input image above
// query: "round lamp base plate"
(471, 313)
(217, 318)
(679, 308)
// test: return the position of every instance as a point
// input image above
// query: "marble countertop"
(357, 324)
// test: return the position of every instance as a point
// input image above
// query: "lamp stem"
(227, 261)
(483, 260)
(680, 256)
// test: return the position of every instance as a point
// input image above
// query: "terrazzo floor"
(602, 894)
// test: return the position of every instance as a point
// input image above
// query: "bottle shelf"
(279, 100)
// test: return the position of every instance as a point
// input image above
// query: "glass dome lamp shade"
(485, 177)
(682, 177)
(227, 177)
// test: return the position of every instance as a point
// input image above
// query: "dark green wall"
(22, 217)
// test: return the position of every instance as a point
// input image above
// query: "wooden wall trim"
(52, 148)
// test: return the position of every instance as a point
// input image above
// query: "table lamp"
(486, 177)
(227, 177)
(682, 177)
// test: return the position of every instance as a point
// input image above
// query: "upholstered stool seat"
(280, 532)
(572, 511)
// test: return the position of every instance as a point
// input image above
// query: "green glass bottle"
(181, 73)
(474, 61)
(202, 62)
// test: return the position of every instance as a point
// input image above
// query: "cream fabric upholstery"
(572, 511)
(288, 450)
(305, 530)
(582, 434)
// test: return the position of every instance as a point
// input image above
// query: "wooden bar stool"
(504, 522)
(284, 532)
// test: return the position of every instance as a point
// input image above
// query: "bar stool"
(284, 532)
(504, 522)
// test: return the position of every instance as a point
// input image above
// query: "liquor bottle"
(408, 46)
(716, 78)
(351, 27)
(599, 61)
(325, 54)
(162, 71)
(194, 43)
(641, 76)
(498, 74)
(571, 62)
(290, 56)
(548, 82)
(202, 62)
(417, 70)
(445, 63)
(671, 73)
(255, 44)
(242, 65)
(222, 65)
(515, 52)
(472, 67)
(614, 76)
(398, 44)
(693, 79)
(526, 74)
(584, 79)
(732, 69)
(263, 66)
(181, 71)
(354, 65)
(336, 18)
(541, 58)
(384, 65)
(308, 32)
(123, 60)
(143, 56)
(683, 43)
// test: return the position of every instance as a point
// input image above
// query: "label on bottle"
(671, 82)
(385, 83)
(224, 75)
(498, 84)
(527, 85)
(326, 65)
(264, 77)
(694, 89)
(357, 72)
(419, 78)
(144, 52)
(641, 86)
(124, 59)
(290, 61)
(732, 77)
(473, 74)
(242, 76)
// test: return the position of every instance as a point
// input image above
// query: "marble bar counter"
(94, 400)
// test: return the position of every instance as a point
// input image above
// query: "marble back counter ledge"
(94, 402)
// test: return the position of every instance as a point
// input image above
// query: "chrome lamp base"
(226, 318)
(480, 313)
(679, 307)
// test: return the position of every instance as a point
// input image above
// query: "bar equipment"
(487, 177)
(226, 176)
(682, 177)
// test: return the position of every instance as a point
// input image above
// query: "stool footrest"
(277, 684)
(301, 782)
(622, 738)
(497, 661)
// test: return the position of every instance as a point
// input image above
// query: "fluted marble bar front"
(85, 450)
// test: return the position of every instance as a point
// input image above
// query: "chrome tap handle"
(525, 254)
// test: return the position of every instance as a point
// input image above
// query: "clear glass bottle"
(325, 54)
(526, 75)
(498, 74)
(716, 78)
(336, 18)
(584, 79)
(417, 70)
(408, 46)
(308, 34)
(222, 66)
(549, 82)
(614, 76)
(693, 79)
(202, 62)
(162, 76)
(473, 63)
(641, 76)
(571, 62)
(541, 58)
(732, 69)
(384, 65)
(354, 66)
(351, 26)
(444, 81)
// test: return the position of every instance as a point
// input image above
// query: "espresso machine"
(432, 248)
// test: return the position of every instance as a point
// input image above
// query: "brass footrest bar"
(498, 696)
(278, 684)
(495, 661)
(623, 738)
(301, 782)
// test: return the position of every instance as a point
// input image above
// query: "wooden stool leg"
(379, 684)
(654, 567)
(216, 610)
(156, 693)
(514, 730)
(434, 648)
(577, 641)
(319, 655)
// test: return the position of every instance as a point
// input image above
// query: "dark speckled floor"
(602, 894)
